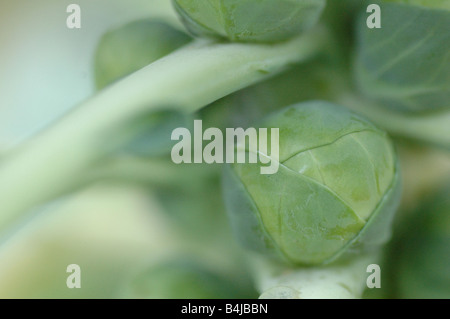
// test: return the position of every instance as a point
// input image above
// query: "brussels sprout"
(405, 64)
(249, 20)
(184, 279)
(337, 187)
(129, 48)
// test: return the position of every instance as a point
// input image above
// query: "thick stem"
(431, 128)
(346, 280)
(54, 161)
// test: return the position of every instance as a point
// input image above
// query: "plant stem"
(432, 128)
(346, 280)
(53, 162)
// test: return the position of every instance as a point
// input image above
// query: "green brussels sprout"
(184, 279)
(419, 259)
(336, 189)
(129, 48)
(249, 20)
(405, 64)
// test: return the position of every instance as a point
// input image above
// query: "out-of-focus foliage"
(195, 207)
(185, 279)
(418, 263)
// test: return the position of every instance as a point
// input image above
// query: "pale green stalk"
(53, 162)
(432, 128)
(345, 280)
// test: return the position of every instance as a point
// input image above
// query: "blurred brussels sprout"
(249, 20)
(185, 203)
(419, 261)
(129, 48)
(336, 189)
(184, 279)
(405, 64)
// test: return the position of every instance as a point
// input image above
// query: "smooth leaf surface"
(406, 63)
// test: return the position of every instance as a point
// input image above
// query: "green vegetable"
(249, 20)
(337, 187)
(129, 48)
(405, 65)
(184, 202)
(327, 213)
